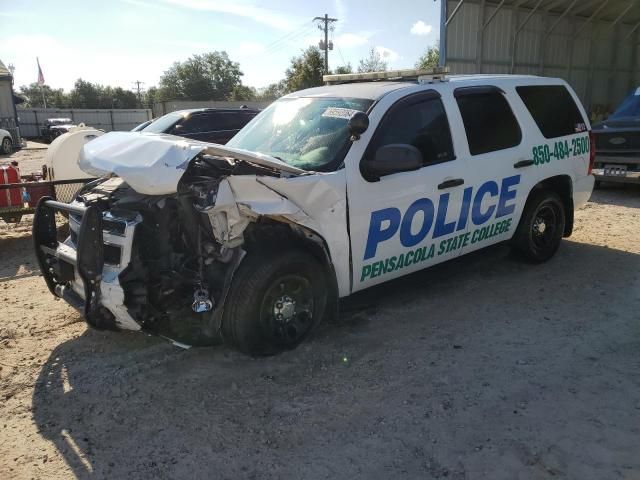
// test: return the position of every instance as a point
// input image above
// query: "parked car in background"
(617, 143)
(141, 126)
(54, 127)
(6, 142)
(214, 125)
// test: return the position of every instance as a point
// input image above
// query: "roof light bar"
(431, 74)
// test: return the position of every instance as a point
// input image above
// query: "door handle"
(523, 163)
(451, 183)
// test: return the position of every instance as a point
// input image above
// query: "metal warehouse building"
(593, 44)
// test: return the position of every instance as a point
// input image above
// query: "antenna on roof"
(421, 76)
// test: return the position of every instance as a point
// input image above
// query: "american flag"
(40, 74)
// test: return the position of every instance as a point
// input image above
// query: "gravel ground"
(30, 159)
(483, 367)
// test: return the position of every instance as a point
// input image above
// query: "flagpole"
(44, 100)
(41, 82)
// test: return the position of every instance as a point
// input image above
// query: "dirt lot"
(481, 368)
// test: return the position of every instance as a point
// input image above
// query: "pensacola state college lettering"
(386, 223)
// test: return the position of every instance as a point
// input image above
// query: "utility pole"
(326, 45)
(138, 83)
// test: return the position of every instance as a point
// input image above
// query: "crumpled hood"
(153, 164)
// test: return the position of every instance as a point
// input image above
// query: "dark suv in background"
(214, 125)
(618, 143)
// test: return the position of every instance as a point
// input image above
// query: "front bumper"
(76, 269)
(614, 176)
(617, 168)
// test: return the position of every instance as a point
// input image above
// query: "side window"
(422, 124)
(488, 120)
(233, 120)
(553, 109)
(194, 124)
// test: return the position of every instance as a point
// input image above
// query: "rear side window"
(553, 109)
(233, 121)
(488, 120)
(422, 124)
(195, 123)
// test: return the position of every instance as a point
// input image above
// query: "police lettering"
(489, 201)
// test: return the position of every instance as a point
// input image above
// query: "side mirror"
(177, 129)
(394, 158)
(358, 124)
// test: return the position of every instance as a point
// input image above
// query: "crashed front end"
(155, 242)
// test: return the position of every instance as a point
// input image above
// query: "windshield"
(163, 124)
(630, 107)
(308, 133)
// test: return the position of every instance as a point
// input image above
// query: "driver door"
(398, 222)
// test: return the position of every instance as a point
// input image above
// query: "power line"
(285, 44)
(287, 37)
(326, 21)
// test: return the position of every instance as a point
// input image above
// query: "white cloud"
(421, 28)
(350, 40)
(63, 63)
(387, 54)
(258, 14)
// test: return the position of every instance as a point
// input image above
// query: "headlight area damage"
(155, 243)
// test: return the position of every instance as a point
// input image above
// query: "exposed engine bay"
(178, 274)
(155, 242)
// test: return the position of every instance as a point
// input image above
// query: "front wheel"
(541, 228)
(276, 300)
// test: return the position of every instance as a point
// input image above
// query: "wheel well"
(561, 185)
(268, 237)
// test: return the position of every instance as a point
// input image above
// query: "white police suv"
(326, 192)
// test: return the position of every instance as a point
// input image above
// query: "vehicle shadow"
(16, 258)
(121, 405)
(620, 194)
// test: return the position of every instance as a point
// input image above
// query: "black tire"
(541, 227)
(289, 284)
(7, 146)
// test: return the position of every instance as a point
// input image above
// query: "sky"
(118, 42)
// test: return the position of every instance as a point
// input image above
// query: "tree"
(372, 63)
(242, 92)
(150, 97)
(85, 95)
(342, 69)
(56, 98)
(430, 58)
(211, 76)
(305, 71)
(272, 91)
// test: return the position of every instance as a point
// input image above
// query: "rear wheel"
(541, 228)
(7, 145)
(275, 301)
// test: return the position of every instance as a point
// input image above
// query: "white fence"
(32, 119)
(160, 108)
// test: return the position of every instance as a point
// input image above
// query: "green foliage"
(342, 69)
(83, 95)
(211, 76)
(150, 97)
(372, 63)
(430, 58)
(273, 91)
(242, 92)
(56, 98)
(305, 71)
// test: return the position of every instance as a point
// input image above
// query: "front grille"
(617, 141)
